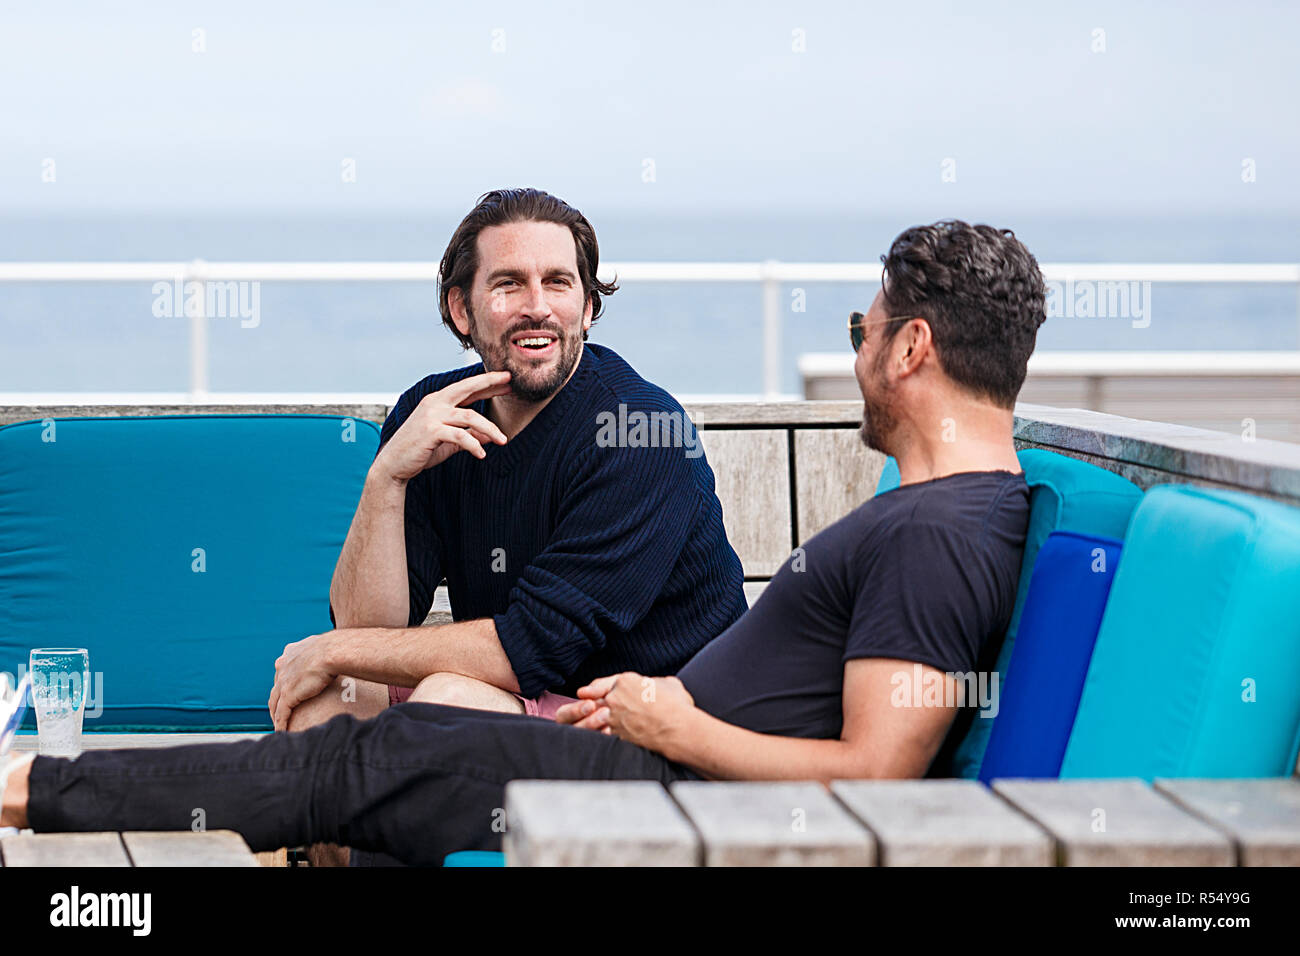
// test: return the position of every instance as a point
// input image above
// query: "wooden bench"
(905, 823)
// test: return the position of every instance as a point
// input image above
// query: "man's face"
(526, 312)
(879, 394)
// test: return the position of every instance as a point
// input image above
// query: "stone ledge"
(12, 414)
(1155, 451)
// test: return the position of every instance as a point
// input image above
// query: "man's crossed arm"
(401, 656)
(878, 739)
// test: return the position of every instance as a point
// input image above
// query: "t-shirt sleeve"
(924, 595)
(623, 521)
(423, 571)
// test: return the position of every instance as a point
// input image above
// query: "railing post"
(771, 330)
(198, 330)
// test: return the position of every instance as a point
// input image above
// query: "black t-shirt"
(926, 572)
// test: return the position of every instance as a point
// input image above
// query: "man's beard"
(878, 417)
(529, 381)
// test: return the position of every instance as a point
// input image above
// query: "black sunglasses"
(857, 322)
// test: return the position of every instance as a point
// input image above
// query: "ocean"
(692, 338)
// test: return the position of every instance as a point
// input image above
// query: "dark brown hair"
(983, 295)
(501, 206)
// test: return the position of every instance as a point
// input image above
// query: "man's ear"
(456, 303)
(586, 316)
(915, 343)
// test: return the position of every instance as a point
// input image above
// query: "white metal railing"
(1089, 364)
(769, 274)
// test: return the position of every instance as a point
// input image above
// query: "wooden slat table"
(773, 824)
(1116, 823)
(596, 823)
(1261, 816)
(905, 822)
(161, 848)
(944, 823)
(181, 848)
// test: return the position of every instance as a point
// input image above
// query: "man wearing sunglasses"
(804, 686)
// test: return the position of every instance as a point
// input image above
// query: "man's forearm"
(723, 751)
(404, 656)
(370, 580)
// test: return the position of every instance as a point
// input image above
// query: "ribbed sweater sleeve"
(623, 521)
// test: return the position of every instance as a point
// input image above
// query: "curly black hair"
(501, 206)
(982, 293)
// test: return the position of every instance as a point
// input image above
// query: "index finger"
(598, 688)
(483, 385)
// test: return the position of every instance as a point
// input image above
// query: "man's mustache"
(510, 333)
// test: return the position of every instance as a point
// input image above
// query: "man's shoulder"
(955, 506)
(618, 383)
(638, 427)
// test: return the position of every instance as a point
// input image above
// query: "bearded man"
(566, 558)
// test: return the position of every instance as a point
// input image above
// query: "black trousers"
(417, 782)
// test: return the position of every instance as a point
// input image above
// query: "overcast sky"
(651, 106)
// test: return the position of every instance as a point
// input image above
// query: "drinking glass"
(60, 681)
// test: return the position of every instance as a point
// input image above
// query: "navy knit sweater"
(595, 548)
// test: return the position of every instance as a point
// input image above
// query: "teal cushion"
(184, 552)
(1196, 671)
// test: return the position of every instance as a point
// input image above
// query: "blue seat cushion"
(1196, 671)
(1058, 628)
(183, 552)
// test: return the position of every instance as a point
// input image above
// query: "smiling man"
(566, 558)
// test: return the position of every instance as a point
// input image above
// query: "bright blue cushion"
(99, 536)
(1196, 671)
(474, 858)
(1058, 627)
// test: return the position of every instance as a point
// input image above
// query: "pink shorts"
(544, 706)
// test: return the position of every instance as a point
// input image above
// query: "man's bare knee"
(456, 690)
(361, 699)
